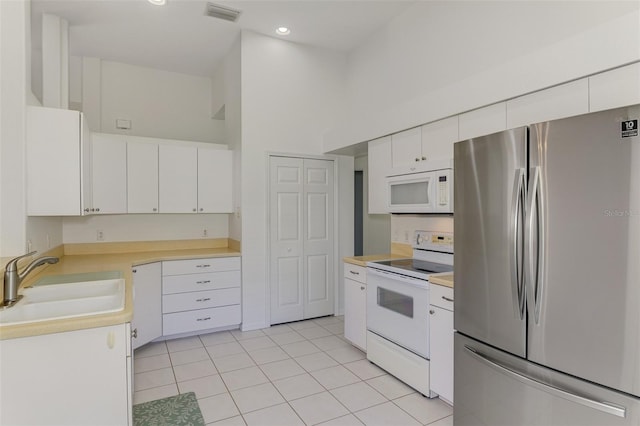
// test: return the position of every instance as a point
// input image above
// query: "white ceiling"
(179, 37)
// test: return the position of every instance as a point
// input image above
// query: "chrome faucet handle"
(12, 265)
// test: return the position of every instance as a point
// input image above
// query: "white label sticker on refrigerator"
(629, 128)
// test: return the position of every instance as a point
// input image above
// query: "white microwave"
(423, 192)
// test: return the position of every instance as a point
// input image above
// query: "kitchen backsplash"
(404, 225)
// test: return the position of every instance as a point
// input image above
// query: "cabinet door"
(109, 174)
(406, 147)
(54, 162)
(379, 167)
(355, 313)
(438, 139)
(147, 303)
(615, 88)
(483, 121)
(441, 344)
(142, 177)
(557, 102)
(178, 179)
(66, 378)
(215, 181)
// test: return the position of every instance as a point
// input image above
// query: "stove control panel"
(431, 240)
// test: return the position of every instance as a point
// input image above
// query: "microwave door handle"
(516, 237)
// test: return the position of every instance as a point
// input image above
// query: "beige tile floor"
(302, 373)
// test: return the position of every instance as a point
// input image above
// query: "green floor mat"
(179, 410)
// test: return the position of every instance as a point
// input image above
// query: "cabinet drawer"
(355, 272)
(441, 296)
(202, 319)
(200, 300)
(200, 282)
(198, 266)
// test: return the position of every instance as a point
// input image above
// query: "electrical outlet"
(99, 235)
(205, 233)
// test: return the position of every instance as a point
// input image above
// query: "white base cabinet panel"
(355, 305)
(441, 335)
(72, 378)
(147, 303)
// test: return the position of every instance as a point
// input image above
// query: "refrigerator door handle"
(605, 407)
(534, 264)
(516, 260)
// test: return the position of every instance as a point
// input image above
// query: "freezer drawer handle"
(605, 407)
(448, 299)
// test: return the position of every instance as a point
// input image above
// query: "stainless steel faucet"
(13, 278)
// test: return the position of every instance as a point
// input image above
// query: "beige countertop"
(96, 262)
(362, 260)
(444, 278)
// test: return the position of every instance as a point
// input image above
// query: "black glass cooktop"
(417, 265)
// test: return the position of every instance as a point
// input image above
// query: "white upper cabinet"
(438, 139)
(379, 166)
(58, 157)
(554, 103)
(142, 177)
(215, 174)
(406, 148)
(615, 88)
(109, 174)
(178, 177)
(483, 121)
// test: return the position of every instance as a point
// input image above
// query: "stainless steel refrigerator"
(547, 273)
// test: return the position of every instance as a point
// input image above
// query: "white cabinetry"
(109, 175)
(73, 378)
(379, 162)
(147, 303)
(438, 139)
(557, 102)
(215, 174)
(58, 163)
(441, 341)
(615, 88)
(142, 177)
(355, 305)
(178, 177)
(483, 121)
(406, 148)
(200, 294)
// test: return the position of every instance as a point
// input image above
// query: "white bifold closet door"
(301, 207)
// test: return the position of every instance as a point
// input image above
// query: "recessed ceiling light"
(158, 2)
(283, 31)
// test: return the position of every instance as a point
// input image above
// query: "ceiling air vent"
(222, 12)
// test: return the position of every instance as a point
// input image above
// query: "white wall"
(441, 58)
(291, 94)
(144, 227)
(231, 74)
(404, 225)
(376, 228)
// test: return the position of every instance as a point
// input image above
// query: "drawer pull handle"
(203, 282)
(447, 299)
(203, 266)
(203, 319)
(361, 288)
(206, 299)
(354, 272)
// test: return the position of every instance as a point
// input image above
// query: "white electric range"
(398, 308)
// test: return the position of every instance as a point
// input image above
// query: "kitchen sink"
(66, 300)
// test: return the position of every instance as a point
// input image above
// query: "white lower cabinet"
(355, 305)
(147, 303)
(200, 294)
(80, 377)
(441, 341)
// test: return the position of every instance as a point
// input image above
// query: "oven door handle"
(416, 282)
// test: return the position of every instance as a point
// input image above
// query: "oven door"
(398, 309)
